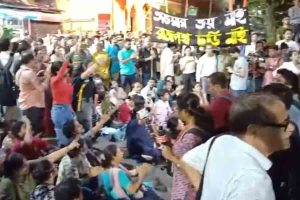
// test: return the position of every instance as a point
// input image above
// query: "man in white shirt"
(239, 73)
(188, 69)
(207, 65)
(167, 59)
(149, 92)
(236, 166)
(288, 35)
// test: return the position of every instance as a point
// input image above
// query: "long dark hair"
(190, 103)
(107, 157)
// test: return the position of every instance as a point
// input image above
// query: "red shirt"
(219, 109)
(32, 151)
(61, 90)
(124, 113)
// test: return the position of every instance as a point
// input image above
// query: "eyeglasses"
(284, 124)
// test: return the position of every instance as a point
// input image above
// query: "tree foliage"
(266, 15)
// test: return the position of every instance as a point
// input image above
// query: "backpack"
(8, 89)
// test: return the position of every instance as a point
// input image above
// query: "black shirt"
(83, 89)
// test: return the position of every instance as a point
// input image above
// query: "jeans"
(35, 115)
(146, 78)
(127, 79)
(254, 84)
(60, 114)
(238, 93)
(296, 32)
(188, 81)
(85, 116)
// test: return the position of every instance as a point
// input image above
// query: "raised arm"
(61, 72)
(55, 156)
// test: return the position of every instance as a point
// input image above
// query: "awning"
(33, 15)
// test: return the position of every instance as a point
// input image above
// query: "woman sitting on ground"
(122, 187)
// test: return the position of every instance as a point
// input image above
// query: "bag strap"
(114, 177)
(199, 192)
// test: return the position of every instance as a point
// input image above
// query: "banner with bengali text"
(230, 29)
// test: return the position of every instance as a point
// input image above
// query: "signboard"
(229, 29)
(103, 22)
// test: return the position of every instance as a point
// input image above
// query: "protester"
(162, 109)
(258, 123)
(167, 59)
(197, 129)
(220, 105)
(69, 189)
(61, 90)
(113, 50)
(32, 83)
(125, 188)
(295, 21)
(188, 68)
(127, 58)
(44, 174)
(288, 35)
(207, 64)
(286, 24)
(239, 73)
(17, 182)
(84, 93)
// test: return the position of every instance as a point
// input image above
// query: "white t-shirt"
(166, 64)
(206, 66)
(234, 171)
(187, 65)
(293, 46)
(289, 66)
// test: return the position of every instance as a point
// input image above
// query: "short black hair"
(218, 78)
(69, 129)
(234, 50)
(283, 92)
(42, 171)
(4, 44)
(26, 58)
(41, 40)
(284, 45)
(55, 66)
(16, 128)
(251, 109)
(68, 190)
(170, 45)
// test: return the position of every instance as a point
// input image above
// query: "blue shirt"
(237, 82)
(139, 141)
(127, 68)
(113, 51)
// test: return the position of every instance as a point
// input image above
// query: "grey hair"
(252, 109)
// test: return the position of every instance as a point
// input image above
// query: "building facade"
(29, 17)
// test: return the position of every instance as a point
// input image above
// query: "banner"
(232, 28)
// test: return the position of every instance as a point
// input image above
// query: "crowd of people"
(223, 121)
